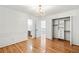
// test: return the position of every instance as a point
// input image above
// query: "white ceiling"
(48, 9)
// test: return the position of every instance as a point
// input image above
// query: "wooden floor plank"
(33, 46)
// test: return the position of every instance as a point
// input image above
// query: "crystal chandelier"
(40, 10)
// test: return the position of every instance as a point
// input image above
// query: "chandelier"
(40, 10)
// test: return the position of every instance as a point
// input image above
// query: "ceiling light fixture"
(40, 10)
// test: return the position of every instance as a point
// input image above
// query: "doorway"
(61, 29)
(29, 23)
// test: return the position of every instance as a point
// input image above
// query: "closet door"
(61, 29)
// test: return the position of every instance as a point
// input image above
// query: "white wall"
(75, 24)
(13, 26)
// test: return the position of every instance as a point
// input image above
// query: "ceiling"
(48, 9)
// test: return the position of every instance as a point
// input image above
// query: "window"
(29, 23)
(43, 24)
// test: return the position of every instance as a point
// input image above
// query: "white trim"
(1, 46)
(71, 30)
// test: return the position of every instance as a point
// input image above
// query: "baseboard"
(49, 39)
(1, 46)
(75, 44)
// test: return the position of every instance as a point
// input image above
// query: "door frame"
(71, 28)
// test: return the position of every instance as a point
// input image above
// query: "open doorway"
(29, 23)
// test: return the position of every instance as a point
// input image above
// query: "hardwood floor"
(61, 46)
(33, 46)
